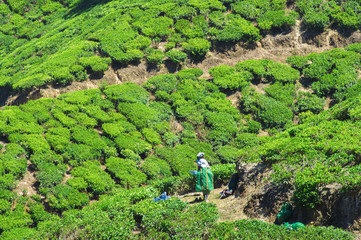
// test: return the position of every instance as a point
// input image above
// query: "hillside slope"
(58, 42)
(271, 86)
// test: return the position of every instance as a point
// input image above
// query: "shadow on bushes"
(83, 6)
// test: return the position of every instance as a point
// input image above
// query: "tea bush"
(283, 93)
(155, 56)
(95, 63)
(181, 158)
(75, 154)
(222, 173)
(273, 113)
(272, 71)
(49, 176)
(65, 197)
(140, 115)
(156, 168)
(255, 228)
(134, 143)
(127, 92)
(164, 82)
(125, 171)
(197, 46)
(308, 102)
(151, 136)
(98, 181)
(177, 222)
(176, 56)
(228, 154)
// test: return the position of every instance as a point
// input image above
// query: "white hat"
(200, 155)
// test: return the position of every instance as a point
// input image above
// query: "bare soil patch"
(27, 184)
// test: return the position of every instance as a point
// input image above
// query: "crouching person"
(204, 177)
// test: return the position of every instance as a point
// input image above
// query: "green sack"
(285, 213)
(204, 180)
(294, 226)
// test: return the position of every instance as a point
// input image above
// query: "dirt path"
(230, 208)
(26, 185)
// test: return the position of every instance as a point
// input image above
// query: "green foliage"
(129, 154)
(307, 194)
(38, 214)
(127, 92)
(5, 206)
(125, 171)
(273, 113)
(283, 93)
(255, 228)
(65, 197)
(58, 138)
(77, 183)
(236, 29)
(223, 127)
(317, 20)
(246, 9)
(205, 6)
(228, 154)
(19, 233)
(332, 72)
(134, 143)
(139, 114)
(88, 137)
(158, 27)
(176, 56)
(181, 158)
(272, 71)
(155, 56)
(156, 168)
(98, 181)
(244, 140)
(171, 185)
(175, 220)
(95, 63)
(309, 102)
(297, 61)
(197, 46)
(277, 19)
(222, 173)
(16, 218)
(356, 47)
(226, 78)
(170, 139)
(164, 82)
(253, 126)
(35, 143)
(49, 176)
(75, 154)
(117, 128)
(151, 136)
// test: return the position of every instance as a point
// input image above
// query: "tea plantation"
(122, 149)
(100, 156)
(56, 42)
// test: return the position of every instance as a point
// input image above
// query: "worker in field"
(204, 176)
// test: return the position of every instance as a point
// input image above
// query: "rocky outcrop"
(262, 199)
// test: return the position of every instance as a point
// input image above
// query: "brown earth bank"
(257, 197)
(274, 46)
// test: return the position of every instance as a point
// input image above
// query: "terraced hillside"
(58, 42)
(86, 164)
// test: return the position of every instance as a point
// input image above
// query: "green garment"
(294, 226)
(204, 180)
(285, 213)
